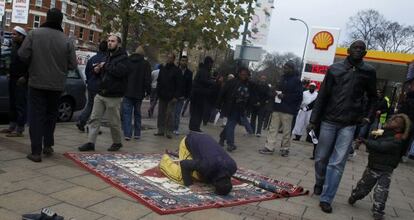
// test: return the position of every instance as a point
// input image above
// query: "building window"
(36, 21)
(38, 3)
(81, 33)
(91, 35)
(72, 30)
(93, 18)
(73, 10)
(82, 13)
(64, 6)
(8, 18)
(53, 3)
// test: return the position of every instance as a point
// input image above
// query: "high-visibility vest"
(383, 116)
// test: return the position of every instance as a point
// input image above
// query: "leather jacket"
(341, 97)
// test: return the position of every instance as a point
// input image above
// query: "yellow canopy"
(381, 56)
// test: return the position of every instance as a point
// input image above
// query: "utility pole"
(244, 42)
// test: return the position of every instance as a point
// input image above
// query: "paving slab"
(8, 215)
(212, 214)
(90, 181)
(26, 201)
(62, 172)
(69, 211)
(81, 196)
(45, 184)
(120, 209)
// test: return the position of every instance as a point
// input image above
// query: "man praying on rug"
(202, 158)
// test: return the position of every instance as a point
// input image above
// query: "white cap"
(20, 30)
(312, 84)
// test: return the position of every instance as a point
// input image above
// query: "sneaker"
(258, 135)
(284, 153)
(325, 207)
(34, 158)
(352, 155)
(87, 147)
(317, 190)
(266, 151)
(48, 151)
(231, 147)
(159, 134)
(351, 200)
(115, 147)
(137, 137)
(15, 134)
(127, 138)
(45, 214)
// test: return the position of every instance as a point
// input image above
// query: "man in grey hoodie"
(49, 54)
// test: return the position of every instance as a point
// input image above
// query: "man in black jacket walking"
(338, 109)
(114, 82)
(168, 89)
(186, 79)
(93, 81)
(139, 86)
(202, 88)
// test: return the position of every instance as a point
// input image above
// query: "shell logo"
(323, 40)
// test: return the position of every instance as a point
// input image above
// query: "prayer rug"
(139, 176)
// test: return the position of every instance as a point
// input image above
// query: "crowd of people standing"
(341, 114)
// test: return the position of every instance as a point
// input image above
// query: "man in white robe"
(302, 119)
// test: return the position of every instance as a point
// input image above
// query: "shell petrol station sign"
(320, 53)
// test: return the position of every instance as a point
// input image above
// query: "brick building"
(80, 23)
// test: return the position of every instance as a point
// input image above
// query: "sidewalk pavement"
(57, 183)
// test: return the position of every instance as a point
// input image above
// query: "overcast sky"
(289, 36)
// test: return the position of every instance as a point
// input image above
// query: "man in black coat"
(186, 79)
(17, 87)
(168, 90)
(261, 96)
(114, 73)
(202, 87)
(93, 81)
(139, 86)
(338, 109)
(286, 105)
(233, 102)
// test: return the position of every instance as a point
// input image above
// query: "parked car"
(72, 99)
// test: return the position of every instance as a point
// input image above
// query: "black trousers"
(17, 104)
(43, 114)
(197, 111)
(258, 113)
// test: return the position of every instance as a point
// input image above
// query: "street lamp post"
(306, 41)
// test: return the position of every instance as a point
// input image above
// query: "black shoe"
(312, 158)
(48, 151)
(325, 207)
(45, 214)
(34, 158)
(351, 200)
(115, 147)
(378, 216)
(317, 190)
(159, 134)
(87, 147)
(80, 127)
(168, 136)
(266, 151)
(221, 142)
(231, 147)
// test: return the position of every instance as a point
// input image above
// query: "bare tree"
(394, 37)
(379, 33)
(365, 26)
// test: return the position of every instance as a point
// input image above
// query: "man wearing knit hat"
(17, 87)
(50, 55)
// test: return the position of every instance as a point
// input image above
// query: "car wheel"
(65, 109)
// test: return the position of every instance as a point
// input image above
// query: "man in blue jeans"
(233, 101)
(338, 109)
(139, 86)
